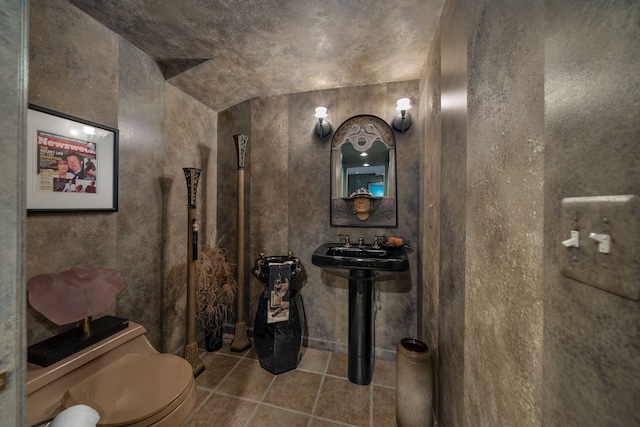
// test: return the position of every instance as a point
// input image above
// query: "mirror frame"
(384, 212)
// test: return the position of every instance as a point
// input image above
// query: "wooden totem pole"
(240, 341)
(191, 348)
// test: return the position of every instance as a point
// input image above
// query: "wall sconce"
(323, 127)
(402, 120)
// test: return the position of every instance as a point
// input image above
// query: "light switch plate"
(618, 216)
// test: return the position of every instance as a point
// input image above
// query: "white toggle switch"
(604, 242)
(574, 241)
(607, 220)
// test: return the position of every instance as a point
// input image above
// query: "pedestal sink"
(361, 261)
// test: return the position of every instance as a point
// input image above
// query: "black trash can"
(278, 344)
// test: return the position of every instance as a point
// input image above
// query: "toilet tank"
(46, 386)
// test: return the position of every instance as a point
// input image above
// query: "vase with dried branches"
(216, 290)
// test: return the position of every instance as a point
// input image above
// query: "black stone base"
(278, 344)
(56, 348)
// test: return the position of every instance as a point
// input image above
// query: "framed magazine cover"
(72, 164)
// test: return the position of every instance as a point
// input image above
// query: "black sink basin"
(366, 257)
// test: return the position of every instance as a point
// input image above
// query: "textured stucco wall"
(430, 153)
(13, 92)
(141, 155)
(539, 102)
(288, 206)
(259, 49)
(89, 72)
(453, 195)
(504, 213)
(75, 72)
(591, 370)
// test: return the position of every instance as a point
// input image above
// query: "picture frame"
(72, 164)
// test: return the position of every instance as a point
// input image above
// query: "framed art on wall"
(72, 164)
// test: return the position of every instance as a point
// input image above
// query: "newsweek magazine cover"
(66, 165)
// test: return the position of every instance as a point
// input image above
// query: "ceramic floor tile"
(317, 422)
(343, 401)
(226, 411)
(201, 394)
(314, 360)
(338, 365)
(384, 373)
(235, 391)
(295, 390)
(217, 366)
(267, 416)
(384, 407)
(251, 353)
(247, 380)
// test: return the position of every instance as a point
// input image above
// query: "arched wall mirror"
(363, 177)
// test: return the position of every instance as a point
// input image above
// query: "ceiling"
(223, 52)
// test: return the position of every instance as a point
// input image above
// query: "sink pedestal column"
(361, 327)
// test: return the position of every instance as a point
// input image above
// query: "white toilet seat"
(136, 390)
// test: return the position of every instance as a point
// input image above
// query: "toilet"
(122, 377)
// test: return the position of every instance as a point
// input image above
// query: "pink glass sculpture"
(72, 295)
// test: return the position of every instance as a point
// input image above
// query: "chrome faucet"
(376, 243)
(347, 243)
(360, 241)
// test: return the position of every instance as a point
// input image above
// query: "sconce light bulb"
(403, 104)
(323, 127)
(402, 120)
(321, 112)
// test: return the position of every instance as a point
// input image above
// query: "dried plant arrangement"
(216, 287)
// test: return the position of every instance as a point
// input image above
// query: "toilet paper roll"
(76, 416)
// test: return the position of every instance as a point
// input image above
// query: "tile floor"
(235, 391)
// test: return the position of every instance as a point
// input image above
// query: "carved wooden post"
(240, 341)
(191, 348)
